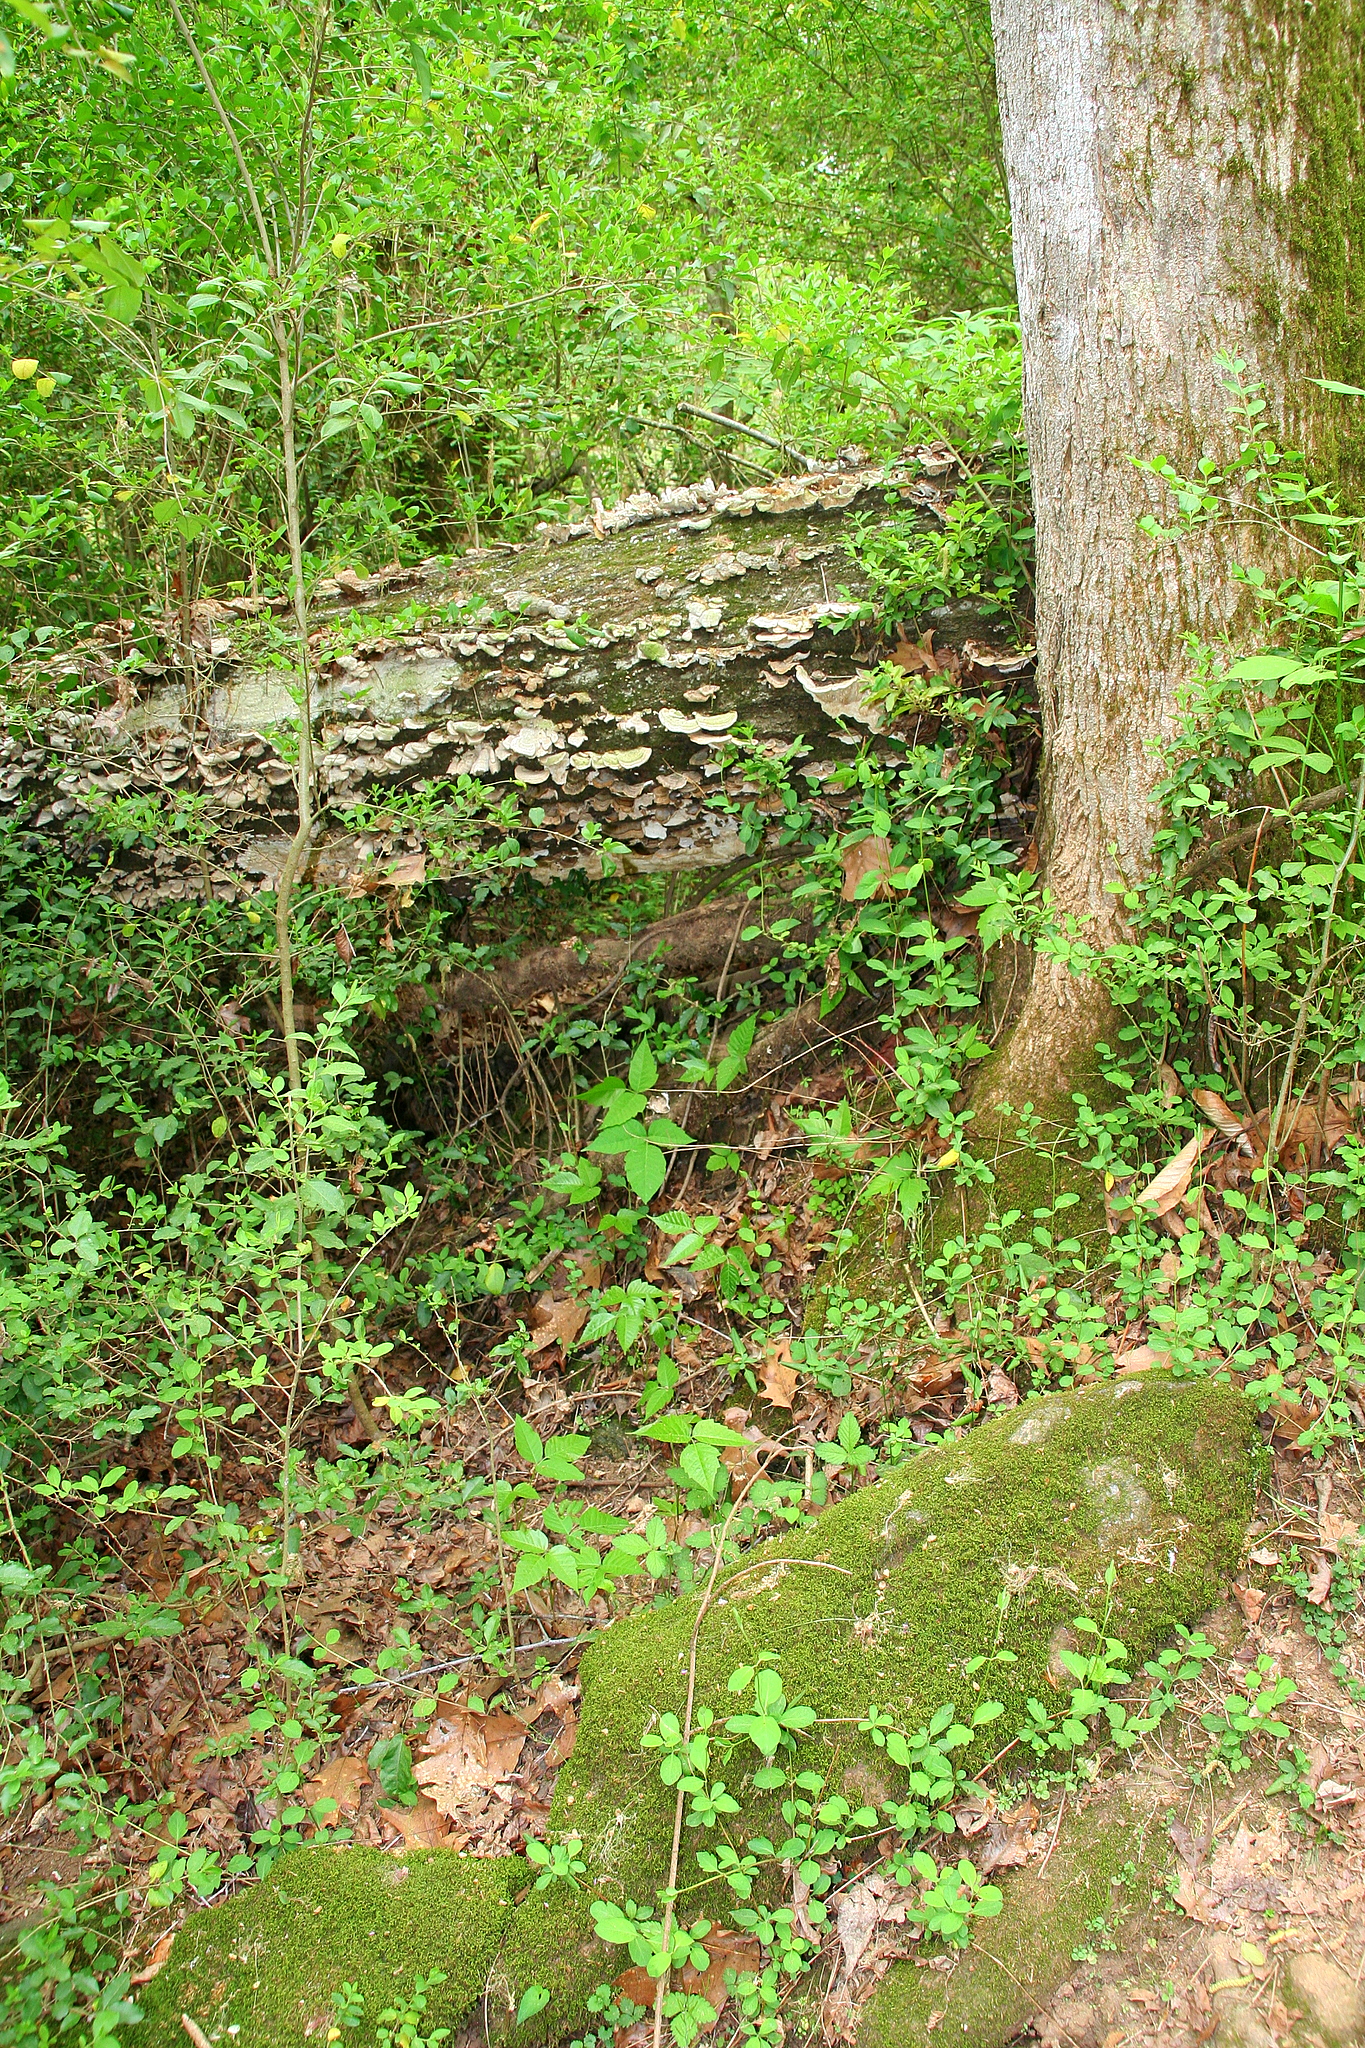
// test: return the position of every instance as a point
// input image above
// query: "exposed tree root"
(694, 944)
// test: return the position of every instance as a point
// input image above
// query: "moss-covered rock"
(1101, 1863)
(259, 1971)
(885, 1601)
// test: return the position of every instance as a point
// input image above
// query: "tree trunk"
(1166, 180)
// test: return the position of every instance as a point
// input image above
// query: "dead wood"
(692, 944)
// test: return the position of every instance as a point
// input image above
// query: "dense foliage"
(401, 281)
(505, 246)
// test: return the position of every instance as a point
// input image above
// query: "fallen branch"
(691, 944)
(720, 419)
(1233, 842)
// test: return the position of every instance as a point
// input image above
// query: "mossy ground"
(259, 1971)
(1101, 1864)
(884, 1601)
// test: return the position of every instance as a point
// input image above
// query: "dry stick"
(707, 447)
(299, 845)
(1234, 841)
(719, 419)
(735, 1506)
(710, 1050)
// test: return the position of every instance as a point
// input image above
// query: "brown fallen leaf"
(726, 1950)
(1265, 1557)
(1141, 1359)
(422, 1826)
(917, 657)
(466, 1754)
(1001, 1391)
(1320, 1581)
(156, 1961)
(556, 1694)
(857, 1918)
(870, 856)
(1251, 1600)
(778, 1379)
(562, 1748)
(1002, 1841)
(1195, 1900)
(1329, 1794)
(867, 1905)
(1166, 1188)
(636, 1984)
(341, 939)
(1224, 1117)
(406, 872)
(556, 1322)
(343, 1779)
(1308, 1132)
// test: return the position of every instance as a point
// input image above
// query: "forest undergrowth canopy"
(363, 1358)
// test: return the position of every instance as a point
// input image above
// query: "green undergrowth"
(956, 1579)
(328, 1929)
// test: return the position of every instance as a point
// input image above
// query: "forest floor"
(400, 1592)
(1263, 1890)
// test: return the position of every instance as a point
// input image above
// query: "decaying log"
(692, 944)
(596, 672)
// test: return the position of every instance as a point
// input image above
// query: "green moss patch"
(259, 1971)
(884, 1601)
(1100, 1866)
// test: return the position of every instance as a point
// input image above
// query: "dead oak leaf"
(867, 858)
(467, 1754)
(156, 1961)
(1166, 1188)
(422, 1826)
(778, 1379)
(725, 1950)
(1320, 1581)
(1195, 1900)
(556, 1322)
(343, 1779)
(1251, 1599)
(562, 1748)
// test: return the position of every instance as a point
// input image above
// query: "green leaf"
(708, 1432)
(391, 1765)
(622, 1108)
(669, 1429)
(644, 1068)
(527, 1441)
(700, 1463)
(646, 1170)
(535, 1997)
(663, 1131)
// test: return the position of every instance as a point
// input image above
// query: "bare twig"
(720, 419)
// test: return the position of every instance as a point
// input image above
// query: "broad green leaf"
(644, 1068)
(646, 1170)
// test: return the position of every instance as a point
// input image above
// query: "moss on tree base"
(259, 1971)
(882, 1602)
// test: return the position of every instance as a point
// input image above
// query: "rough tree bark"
(1179, 192)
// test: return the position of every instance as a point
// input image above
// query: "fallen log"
(598, 675)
